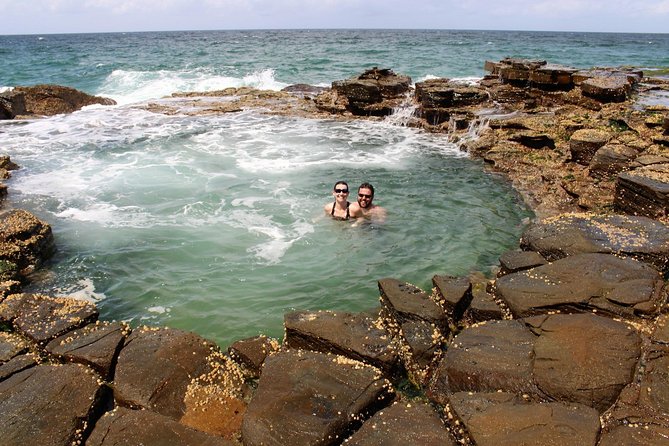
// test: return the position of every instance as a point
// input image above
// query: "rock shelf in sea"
(567, 345)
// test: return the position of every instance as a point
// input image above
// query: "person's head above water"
(340, 187)
(339, 210)
(365, 195)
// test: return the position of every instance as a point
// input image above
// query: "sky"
(78, 16)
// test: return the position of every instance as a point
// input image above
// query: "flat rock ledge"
(567, 345)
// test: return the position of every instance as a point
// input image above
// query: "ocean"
(214, 224)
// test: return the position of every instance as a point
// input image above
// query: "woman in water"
(339, 209)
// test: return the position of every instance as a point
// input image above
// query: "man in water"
(364, 208)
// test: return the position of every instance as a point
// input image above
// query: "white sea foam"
(128, 86)
(158, 309)
(83, 289)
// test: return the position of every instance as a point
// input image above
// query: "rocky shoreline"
(567, 345)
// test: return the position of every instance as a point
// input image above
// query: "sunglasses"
(341, 191)
(364, 196)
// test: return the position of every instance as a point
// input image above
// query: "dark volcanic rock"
(517, 260)
(485, 358)
(421, 347)
(638, 237)
(96, 345)
(644, 191)
(584, 358)
(355, 335)
(251, 353)
(584, 282)
(17, 364)
(454, 294)
(24, 240)
(141, 427)
(403, 424)
(12, 104)
(42, 318)
(635, 434)
(483, 306)
(408, 302)
(47, 100)
(502, 419)
(310, 398)
(155, 367)
(48, 405)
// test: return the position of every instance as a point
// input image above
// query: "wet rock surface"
(46, 100)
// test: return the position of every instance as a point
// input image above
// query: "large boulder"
(584, 358)
(155, 367)
(642, 238)
(48, 100)
(610, 87)
(453, 294)
(48, 405)
(95, 345)
(439, 99)
(216, 400)
(604, 283)
(485, 358)
(552, 77)
(43, 318)
(12, 104)
(141, 427)
(355, 335)
(408, 302)
(578, 358)
(250, 353)
(311, 398)
(25, 240)
(375, 92)
(403, 424)
(643, 191)
(503, 419)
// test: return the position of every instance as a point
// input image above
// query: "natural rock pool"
(214, 223)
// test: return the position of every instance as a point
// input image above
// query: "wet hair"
(340, 182)
(366, 186)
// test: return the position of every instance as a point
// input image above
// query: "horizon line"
(329, 29)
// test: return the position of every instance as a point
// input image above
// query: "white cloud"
(41, 16)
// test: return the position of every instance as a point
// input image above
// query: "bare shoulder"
(355, 210)
(327, 208)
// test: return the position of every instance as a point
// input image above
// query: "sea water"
(215, 224)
